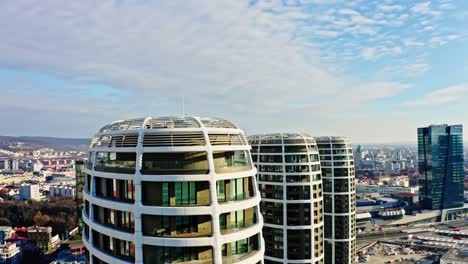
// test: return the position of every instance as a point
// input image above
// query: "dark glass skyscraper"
(440, 160)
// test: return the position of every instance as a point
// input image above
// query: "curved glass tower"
(339, 196)
(171, 190)
(290, 183)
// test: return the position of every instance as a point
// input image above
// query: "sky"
(370, 70)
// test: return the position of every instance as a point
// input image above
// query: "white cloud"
(162, 49)
(417, 68)
(442, 96)
(379, 90)
(424, 8)
(372, 53)
(412, 42)
(442, 40)
(389, 8)
(447, 6)
(348, 12)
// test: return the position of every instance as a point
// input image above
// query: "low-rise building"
(62, 191)
(30, 191)
(10, 253)
(42, 236)
(385, 189)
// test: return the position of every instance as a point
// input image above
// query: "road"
(376, 235)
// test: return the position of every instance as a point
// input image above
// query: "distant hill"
(34, 143)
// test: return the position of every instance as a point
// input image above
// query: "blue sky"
(370, 70)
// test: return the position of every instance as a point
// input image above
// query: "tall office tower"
(290, 183)
(339, 196)
(440, 161)
(171, 190)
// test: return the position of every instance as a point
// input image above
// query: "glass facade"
(235, 189)
(113, 246)
(236, 251)
(176, 226)
(231, 161)
(237, 220)
(176, 193)
(158, 254)
(114, 189)
(175, 163)
(116, 162)
(123, 221)
(441, 169)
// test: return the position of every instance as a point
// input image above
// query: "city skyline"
(391, 66)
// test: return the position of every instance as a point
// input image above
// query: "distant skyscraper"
(440, 161)
(15, 165)
(6, 165)
(339, 196)
(171, 190)
(290, 183)
(80, 182)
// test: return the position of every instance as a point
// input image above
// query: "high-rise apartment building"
(171, 190)
(339, 196)
(440, 161)
(15, 164)
(80, 174)
(290, 184)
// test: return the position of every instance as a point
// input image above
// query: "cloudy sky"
(372, 70)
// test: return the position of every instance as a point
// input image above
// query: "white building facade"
(290, 184)
(171, 190)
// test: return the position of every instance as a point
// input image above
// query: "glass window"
(273, 242)
(298, 192)
(234, 221)
(298, 214)
(299, 244)
(271, 149)
(240, 247)
(271, 178)
(121, 190)
(116, 247)
(234, 189)
(231, 161)
(115, 162)
(270, 191)
(298, 178)
(295, 149)
(159, 254)
(271, 158)
(297, 168)
(176, 193)
(272, 212)
(175, 163)
(314, 157)
(176, 226)
(296, 158)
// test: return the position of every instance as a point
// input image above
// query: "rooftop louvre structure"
(290, 184)
(339, 196)
(171, 190)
